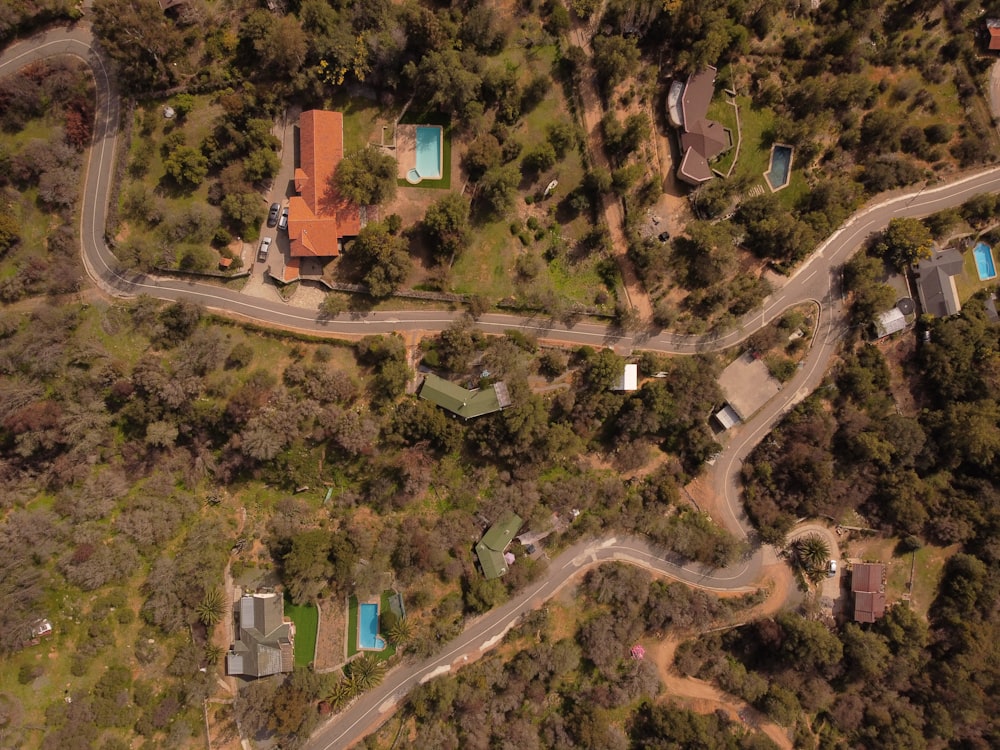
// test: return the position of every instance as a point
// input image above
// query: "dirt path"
(702, 697)
(611, 206)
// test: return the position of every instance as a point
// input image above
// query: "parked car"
(265, 245)
(831, 568)
(664, 236)
(272, 214)
(283, 221)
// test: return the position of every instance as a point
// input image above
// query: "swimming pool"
(368, 628)
(984, 262)
(780, 169)
(429, 152)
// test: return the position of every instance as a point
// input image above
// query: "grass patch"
(755, 144)
(723, 112)
(352, 626)
(360, 116)
(306, 619)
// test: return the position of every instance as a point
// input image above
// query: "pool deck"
(406, 148)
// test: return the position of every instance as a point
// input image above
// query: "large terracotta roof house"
(318, 217)
(701, 139)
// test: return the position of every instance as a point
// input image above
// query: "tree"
(384, 256)
(904, 242)
(10, 231)
(243, 210)
(187, 166)
(812, 552)
(446, 225)
(498, 189)
(400, 631)
(366, 177)
(614, 57)
(260, 164)
(141, 39)
(212, 607)
(366, 672)
(306, 566)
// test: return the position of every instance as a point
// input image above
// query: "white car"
(283, 221)
(831, 568)
(265, 245)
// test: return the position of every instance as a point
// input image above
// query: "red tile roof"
(319, 217)
(993, 27)
(869, 596)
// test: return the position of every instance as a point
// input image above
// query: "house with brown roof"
(868, 587)
(993, 34)
(265, 641)
(319, 218)
(701, 139)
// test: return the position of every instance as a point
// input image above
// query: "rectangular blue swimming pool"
(368, 628)
(984, 262)
(429, 152)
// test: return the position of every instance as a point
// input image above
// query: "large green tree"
(446, 225)
(905, 241)
(141, 39)
(366, 177)
(383, 256)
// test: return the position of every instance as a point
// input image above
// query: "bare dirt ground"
(406, 149)
(702, 697)
(612, 208)
(332, 630)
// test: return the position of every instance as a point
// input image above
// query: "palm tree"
(212, 607)
(342, 692)
(367, 672)
(213, 653)
(400, 632)
(812, 552)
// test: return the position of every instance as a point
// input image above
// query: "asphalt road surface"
(816, 281)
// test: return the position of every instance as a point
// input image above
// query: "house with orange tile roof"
(319, 218)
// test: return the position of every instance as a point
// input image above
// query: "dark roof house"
(491, 547)
(264, 645)
(701, 139)
(936, 283)
(869, 591)
(461, 401)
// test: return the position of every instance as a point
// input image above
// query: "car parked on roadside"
(283, 221)
(272, 214)
(265, 245)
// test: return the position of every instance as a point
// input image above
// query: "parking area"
(747, 385)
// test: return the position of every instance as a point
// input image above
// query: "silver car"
(265, 245)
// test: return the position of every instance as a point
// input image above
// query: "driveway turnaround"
(817, 281)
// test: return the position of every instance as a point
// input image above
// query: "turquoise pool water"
(984, 261)
(429, 152)
(368, 628)
(781, 166)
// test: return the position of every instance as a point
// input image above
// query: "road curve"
(371, 708)
(816, 281)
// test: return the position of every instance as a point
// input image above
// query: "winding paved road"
(817, 281)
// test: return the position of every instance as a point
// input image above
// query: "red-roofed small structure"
(869, 591)
(319, 218)
(993, 33)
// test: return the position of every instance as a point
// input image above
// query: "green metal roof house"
(461, 401)
(494, 542)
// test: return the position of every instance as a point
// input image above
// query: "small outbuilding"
(629, 379)
(889, 322)
(727, 417)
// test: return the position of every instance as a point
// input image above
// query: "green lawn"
(306, 619)
(755, 151)
(723, 112)
(360, 116)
